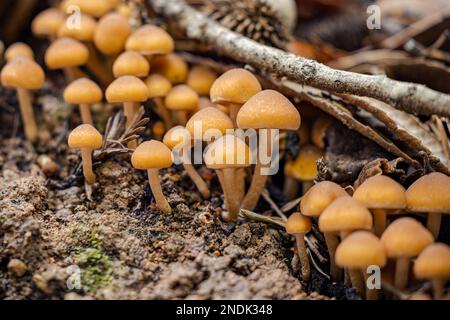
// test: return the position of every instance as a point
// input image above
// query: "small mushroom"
(382, 195)
(170, 66)
(304, 167)
(131, 63)
(208, 120)
(313, 203)
(111, 34)
(150, 40)
(357, 252)
(181, 99)
(67, 54)
(128, 90)
(433, 263)
(19, 49)
(298, 225)
(152, 156)
(83, 92)
(47, 23)
(159, 87)
(404, 239)
(430, 194)
(95, 8)
(176, 139)
(225, 155)
(265, 111)
(343, 216)
(234, 88)
(86, 138)
(201, 79)
(24, 75)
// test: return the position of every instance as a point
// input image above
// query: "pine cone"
(255, 19)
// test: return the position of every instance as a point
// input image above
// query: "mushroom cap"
(158, 86)
(360, 250)
(433, 262)
(430, 193)
(111, 33)
(228, 151)
(304, 167)
(171, 66)
(23, 73)
(151, 154)
(149, 40)
(176, 136)
(381, 192)
(131, 63)
(319, 197)
(96, 8)
(345, 214)
(200, 79)
(127, 89)
(209, 118)
(405, 237)
(19, 49)
(83, 91)
(181, 97)
(85, 136)
(234, 86)
(65, 53)
(48, 22)
(268, 109)
(83, 32)
(298, 223)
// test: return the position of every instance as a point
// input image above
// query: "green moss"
(96, 269)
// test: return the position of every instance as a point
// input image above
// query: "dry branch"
(409, 97)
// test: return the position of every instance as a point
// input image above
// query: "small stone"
(41, 283)
(17, 267)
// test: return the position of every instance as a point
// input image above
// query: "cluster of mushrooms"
(358, 235)
(131, 66)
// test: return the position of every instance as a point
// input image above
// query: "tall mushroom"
(130, 91)
(86, 138)
(83, 92)
(265, 111)
(95, 8)
(24, 75)
(131, 63)
(225, 155)
(178, 138)
(234, 88)
(152, 156)
(382, 195)
(47, 23)
(298, 225)
(357, 252)
(158, 88)
(404, 239)
(433, 263)
(313, 203)
(67, 54)
(150, 40)
(180, 100)
(430, 194)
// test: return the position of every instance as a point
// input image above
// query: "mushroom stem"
(240, 183)
(303, 255)
(401, 273)
(73, 73)
(290, 188)
(306, 185)
(197, 179)
(258, 180)
(332, 242)
(234, 110)
(231, 195)
(86, 156)
(153, 179)
(371, 294)
(357, 281)
(26, 109)
(434, 223)
(380, 221)
(129, 109)
(164, 113)
(181, 116)
(222, 184)
(86, 116)
(438, 288)
(97, 68)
